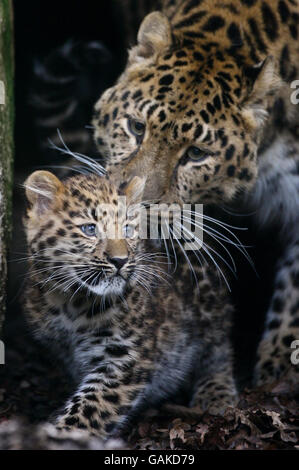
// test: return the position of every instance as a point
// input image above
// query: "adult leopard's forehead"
(177, 85)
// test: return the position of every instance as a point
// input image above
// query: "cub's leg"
(215, 390)
(282, 322)
(214, 387)
(107, 395)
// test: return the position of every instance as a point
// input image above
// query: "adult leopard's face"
(187, 122)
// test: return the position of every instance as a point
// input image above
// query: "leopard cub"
(96, 294)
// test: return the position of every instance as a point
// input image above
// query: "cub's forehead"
(90, 190)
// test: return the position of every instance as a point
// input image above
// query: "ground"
(32, 387)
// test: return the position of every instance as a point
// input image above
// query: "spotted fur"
(200, 78)
(275, 200)
(215, 76)
(129, 342)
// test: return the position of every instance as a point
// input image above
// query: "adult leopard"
(205, 91)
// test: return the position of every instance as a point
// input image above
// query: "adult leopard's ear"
(42, 191)
(154, 37)
(261, 81)
(134, 190)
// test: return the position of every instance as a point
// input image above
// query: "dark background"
(41, 27)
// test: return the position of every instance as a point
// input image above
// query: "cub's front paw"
(215, 399)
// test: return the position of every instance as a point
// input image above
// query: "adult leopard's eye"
(197, 154)
(128, 231)
(137, 128)
(89, 229)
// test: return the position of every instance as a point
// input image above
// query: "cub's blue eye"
(197, 154)
(128, 231)
(89, 229)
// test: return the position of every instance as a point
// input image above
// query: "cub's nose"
(118, 262)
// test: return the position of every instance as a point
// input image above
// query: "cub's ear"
(134, 190)
(42, 189)
(262, 81)
(154, 36)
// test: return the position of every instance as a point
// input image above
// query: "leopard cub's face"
(81, 235)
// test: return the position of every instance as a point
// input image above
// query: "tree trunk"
(6, 142)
